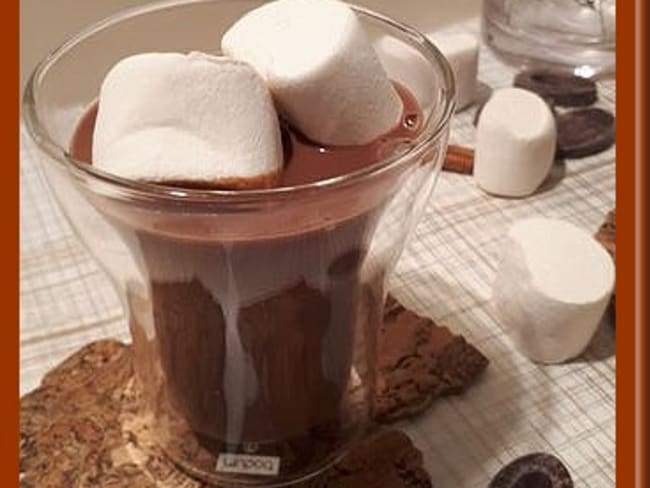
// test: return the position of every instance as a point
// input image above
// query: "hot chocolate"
(252, 334)
(305, 161)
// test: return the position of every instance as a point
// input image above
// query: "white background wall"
(46, 23)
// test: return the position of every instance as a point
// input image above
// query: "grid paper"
(445, 273)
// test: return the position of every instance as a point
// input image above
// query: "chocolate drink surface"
(305, 161)
(259, 342)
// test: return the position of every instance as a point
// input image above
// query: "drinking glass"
(574, 35)
(254, 314)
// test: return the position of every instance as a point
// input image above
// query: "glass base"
(314, 479)
(264, 467)
(523, 45)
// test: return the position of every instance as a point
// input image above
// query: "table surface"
(445, 273)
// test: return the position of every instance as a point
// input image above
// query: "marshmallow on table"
(553, 285)
(321, 68)
(461, 50)
(187, 118)
(515, 143)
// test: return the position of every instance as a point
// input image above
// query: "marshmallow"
(515, 143)
(321, 68)
(461, 50)
(195, 118)
(553, 285)
(407, 66)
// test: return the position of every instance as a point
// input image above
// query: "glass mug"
(573, 35)
(254, 314)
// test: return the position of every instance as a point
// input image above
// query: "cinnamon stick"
(459, 159)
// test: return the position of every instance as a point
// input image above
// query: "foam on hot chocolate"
(321, 68)
(195, 118)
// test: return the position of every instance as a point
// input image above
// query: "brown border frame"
(9, 345)
(631, 243)
(631, 406)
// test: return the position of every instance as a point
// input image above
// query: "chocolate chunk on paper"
(536, 470)
(419, 362)
(559, 87)
(584, 132)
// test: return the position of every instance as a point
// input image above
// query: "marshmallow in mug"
(321, 68)
(187, 118)
(515, 143)
(407, 66)
(553, 285)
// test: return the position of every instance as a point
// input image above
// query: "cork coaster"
(80, 427)
(419, 362)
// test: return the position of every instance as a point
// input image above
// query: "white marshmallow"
(187, 118)
(321, 68)
(553, 285)
(407, 66)
(515, 143)
(461, 50)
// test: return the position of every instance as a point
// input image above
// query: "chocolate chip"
(584, 132)
(538, 470)
(561, 88)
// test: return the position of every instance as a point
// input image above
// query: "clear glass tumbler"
(573, 35)
(254, 314)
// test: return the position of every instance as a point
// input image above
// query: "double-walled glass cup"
(577, 36)
(254, 314)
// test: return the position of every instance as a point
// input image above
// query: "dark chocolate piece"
(561, 88)
(584, 132)
(538, 470)
(419, 362)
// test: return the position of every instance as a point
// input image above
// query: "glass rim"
(80, 169)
